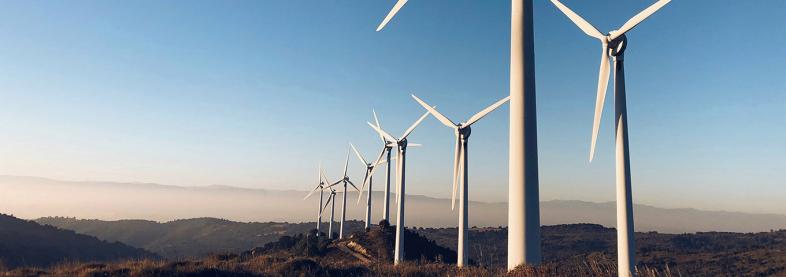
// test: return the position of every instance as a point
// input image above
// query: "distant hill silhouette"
(184, 238)
(30, 197)
(27, 243)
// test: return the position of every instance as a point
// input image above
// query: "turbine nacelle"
(617, 46)
(402, 144)
(463, 131)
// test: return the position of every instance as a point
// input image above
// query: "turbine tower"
(401, 145)
(613, 44)
(345, 180)
(524, 244)
(370, 168)
(321, 185)
(460, 167)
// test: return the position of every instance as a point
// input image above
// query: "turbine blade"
(414, 144)
(353, 185)
(583, 24)
(379, 161)
(336, 183)
(324, 176)
(460, 178)
(414, 125)
(486, 111)
(360, 157)
(398, 176)
(310, 193)
(398, 190)
(363, 186)
(376, 120)
(382, 133)
(456, 158)
(326, 204)
(638, 18)
(346, 164)
(391, 14)
(603, 82)
(442, 118)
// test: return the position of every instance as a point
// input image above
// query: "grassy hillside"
(360, 254)
(27, 243)
(711, 253)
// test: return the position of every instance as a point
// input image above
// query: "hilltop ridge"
(27, 243)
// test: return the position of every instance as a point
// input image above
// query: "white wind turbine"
(345, 180)
(331, 200)
(387, 146)
(321, 186)
(523, 196)
(370, 168)
(613, 44)
(460, 167)
(401, 145)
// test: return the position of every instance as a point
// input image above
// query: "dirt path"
(344, 248)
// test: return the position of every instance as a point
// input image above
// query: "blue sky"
(256, 93)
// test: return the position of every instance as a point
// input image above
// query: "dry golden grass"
(287, 265)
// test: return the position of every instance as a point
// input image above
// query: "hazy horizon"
(36, 197)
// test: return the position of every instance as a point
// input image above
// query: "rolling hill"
(27, 243)
(186, 238)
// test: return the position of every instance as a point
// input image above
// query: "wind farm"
(181, 139)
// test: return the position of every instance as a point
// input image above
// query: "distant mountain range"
(27, 243)
(30, 197)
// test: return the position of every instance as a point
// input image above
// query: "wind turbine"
(367, 179)
(460, 167)
(345, 180)
(401, 145)
(387, 146)
(613, 44)
(524, 244)
(321, 185)
(331, 200)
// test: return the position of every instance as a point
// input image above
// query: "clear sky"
(257, 93)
